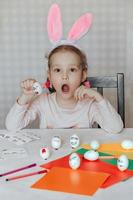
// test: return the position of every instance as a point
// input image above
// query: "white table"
(20, 189)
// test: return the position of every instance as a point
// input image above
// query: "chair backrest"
(117, 82)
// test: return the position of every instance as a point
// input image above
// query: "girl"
(72, 105)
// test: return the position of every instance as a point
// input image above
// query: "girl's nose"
(65, 76)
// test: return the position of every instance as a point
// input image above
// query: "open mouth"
(65, 88)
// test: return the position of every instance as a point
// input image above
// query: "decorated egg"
(37, 88)
(74, 141)
(94, 144)
(122, 162)
(74, 161)
(91, 155)
(127, 144)
(56, 142)
(44, 153)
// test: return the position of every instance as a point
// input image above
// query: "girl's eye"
(73, 69)
(57, 70)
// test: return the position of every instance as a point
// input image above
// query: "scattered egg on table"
(91, 155)
(45, 152)
(37, 88)
(74, 141)
(74, 161)
(94, 144)
(122, 162)
(127, 144)
(56, 142)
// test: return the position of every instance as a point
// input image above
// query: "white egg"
(94, 144)
(91, 155)
(37, 88)
(127, 144)
(122, 162)
(74, 161)
(45, 153)
(56, 142)
(74, 141)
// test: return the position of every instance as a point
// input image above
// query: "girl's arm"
(101, 110)
(21, 115)
(106, 116)
(24, 110)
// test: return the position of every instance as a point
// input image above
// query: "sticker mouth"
(65, 88)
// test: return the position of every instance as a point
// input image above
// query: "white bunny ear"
(54, 24)
(80, 27)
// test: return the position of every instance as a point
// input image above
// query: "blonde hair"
(70, 48)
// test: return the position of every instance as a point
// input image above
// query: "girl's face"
(66, 73)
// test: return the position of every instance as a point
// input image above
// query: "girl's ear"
(84, 75)
(48, 74)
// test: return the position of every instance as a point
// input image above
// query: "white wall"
(24, 41)
(129, 64)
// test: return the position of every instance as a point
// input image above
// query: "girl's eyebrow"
(55, 65)
(70, 65)
(75, 65)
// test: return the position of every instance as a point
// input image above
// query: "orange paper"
(97, 166)
(112, 148)
(71, 181)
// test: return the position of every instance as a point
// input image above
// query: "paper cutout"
(71, 181)
(113, 148)
(95, 166)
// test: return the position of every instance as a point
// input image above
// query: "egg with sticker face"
(91, 155)
(127, 144)
(45, 152)
(94, 144)
(74, 161)
(37, 88)
(122, 162)
(56, 142)
(74, 141)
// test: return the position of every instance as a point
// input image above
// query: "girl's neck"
(66, 103)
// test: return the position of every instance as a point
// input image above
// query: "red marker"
(26, 175)
(19, 169)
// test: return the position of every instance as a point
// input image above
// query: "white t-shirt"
(51, 115)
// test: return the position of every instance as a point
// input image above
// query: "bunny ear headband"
(54, 27)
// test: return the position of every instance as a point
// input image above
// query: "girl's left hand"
(83, 92)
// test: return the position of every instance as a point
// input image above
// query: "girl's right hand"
(26, 86)
(27, 91)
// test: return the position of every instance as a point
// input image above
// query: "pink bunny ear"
(54, 25)
(80, 27)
